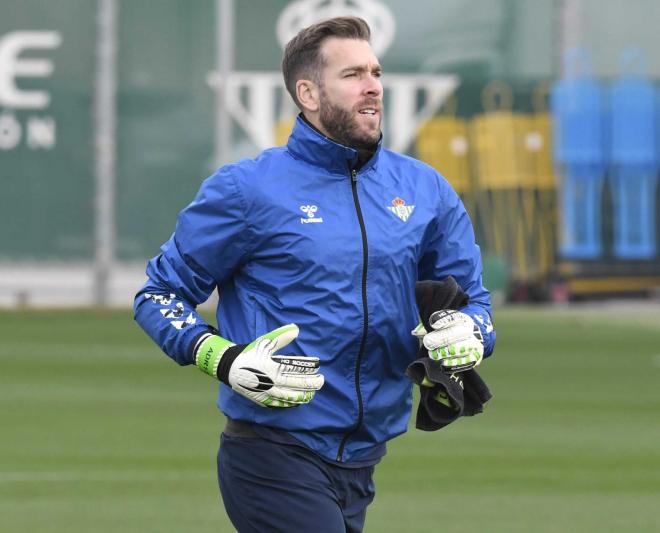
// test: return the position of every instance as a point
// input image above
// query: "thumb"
(281, 337)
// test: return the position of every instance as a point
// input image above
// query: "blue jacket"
(296, 236)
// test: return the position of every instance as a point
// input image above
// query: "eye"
(350, 75)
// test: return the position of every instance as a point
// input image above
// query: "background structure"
(110, 119)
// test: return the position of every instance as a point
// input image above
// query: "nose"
(373, 86)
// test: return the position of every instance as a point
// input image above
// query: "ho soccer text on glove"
(255, 371)
(456, 341)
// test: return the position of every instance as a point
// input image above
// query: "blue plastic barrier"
(634, 159)
(633, 191)
(577, 104)
(581, 194)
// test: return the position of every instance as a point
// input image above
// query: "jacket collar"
(310, 145)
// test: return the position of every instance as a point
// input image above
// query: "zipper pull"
(354, 175)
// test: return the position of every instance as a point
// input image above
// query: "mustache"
(376, 103)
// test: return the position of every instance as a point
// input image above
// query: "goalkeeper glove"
(456, 341)
(254, 371)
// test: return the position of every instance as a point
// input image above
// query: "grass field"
(102, 433)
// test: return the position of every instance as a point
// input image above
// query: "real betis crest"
(400, 209)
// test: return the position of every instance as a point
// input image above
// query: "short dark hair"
(302, 54)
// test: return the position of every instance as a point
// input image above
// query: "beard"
(342, 126)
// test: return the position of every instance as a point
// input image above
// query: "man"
(328, 235)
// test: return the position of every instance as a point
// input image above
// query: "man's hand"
(256, 372)
(456, 341)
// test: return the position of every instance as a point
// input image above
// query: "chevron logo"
(400, 209)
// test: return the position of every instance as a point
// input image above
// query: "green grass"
(100, 432)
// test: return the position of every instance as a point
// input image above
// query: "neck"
(364, 153)
(316, 126)
(321, 131)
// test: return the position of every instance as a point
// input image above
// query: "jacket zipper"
(365, 327)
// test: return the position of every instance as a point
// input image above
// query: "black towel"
(453, 395)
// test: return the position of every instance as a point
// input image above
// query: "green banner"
(166, 100)
(46, 70)
(165, 117)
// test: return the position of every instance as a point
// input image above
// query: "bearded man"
(315, 246)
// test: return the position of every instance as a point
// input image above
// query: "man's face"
(351, 93)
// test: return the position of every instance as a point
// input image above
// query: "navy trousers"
(269, 487)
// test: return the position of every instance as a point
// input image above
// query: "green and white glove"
(456, 341)
(256, 372)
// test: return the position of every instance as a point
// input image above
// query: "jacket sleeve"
(451, 249)
(211, 240)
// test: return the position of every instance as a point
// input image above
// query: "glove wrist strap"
(209, 353)
(229, 356)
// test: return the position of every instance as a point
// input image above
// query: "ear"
(308, 95)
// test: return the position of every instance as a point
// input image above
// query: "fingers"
(305, 382)
(294, 389)
(446, 337)
(282, 397)
(298, 372)
(442, 318)
(455, 359)
(448, 318)
(449, 327)
(468, 347)
(275, 402)
(279, 395)
(297, 363)
(460, 364)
